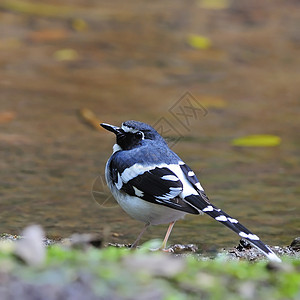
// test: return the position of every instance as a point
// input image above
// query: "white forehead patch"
(132, 130)
(129, 129)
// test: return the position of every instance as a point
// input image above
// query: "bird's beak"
(115, 129)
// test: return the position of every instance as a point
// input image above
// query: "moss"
(118, 273)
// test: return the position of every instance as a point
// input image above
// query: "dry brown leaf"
(90, 118)
(7, 116)
(48, 35)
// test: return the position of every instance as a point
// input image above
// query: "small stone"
(295, 245)
(179, 248)
(244, 244)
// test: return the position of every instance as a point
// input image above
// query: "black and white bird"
(153, 185)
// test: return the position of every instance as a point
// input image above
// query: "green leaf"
(65, 54)
(214, 4)
(258, 140)
(199, 41)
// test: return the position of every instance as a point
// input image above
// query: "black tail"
(233, 224)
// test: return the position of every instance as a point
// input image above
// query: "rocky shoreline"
(243, 251)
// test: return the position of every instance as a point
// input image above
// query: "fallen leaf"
(37, 9)
(79, 24)
(259, 140)
(48, 35)
(214, 4)
(90, 118)
(7, 116)
(65, 54)
(116, 234)
(199, 41)
(212, 102)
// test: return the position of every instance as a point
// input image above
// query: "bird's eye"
(139, 135)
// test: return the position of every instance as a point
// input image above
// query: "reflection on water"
(136, 62)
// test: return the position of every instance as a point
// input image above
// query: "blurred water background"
(67, 65)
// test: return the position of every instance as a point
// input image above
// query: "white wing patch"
(138, 192)
(198, 186)
(170, 177)
(134, 171)
(119, 184)
(138, 169)
(188, 189)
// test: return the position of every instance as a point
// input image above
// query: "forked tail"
(233, 224)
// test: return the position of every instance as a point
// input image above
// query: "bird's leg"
(140, 235)
(164, 244)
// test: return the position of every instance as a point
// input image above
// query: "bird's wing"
(191, 176)
(158, 185)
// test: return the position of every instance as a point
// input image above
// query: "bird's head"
(131, 134)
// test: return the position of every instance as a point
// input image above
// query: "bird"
(153, 185)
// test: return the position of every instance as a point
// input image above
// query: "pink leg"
(140, 235)
(164, 244)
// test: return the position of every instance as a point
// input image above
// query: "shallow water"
(136, 62)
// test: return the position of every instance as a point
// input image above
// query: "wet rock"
(119, 245)
(84, 240)
(244, 244)
(242, 251)
(9, 237)
(246, 251)
(295, 245)
(179, 248)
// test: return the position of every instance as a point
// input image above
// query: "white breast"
(145, 211)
